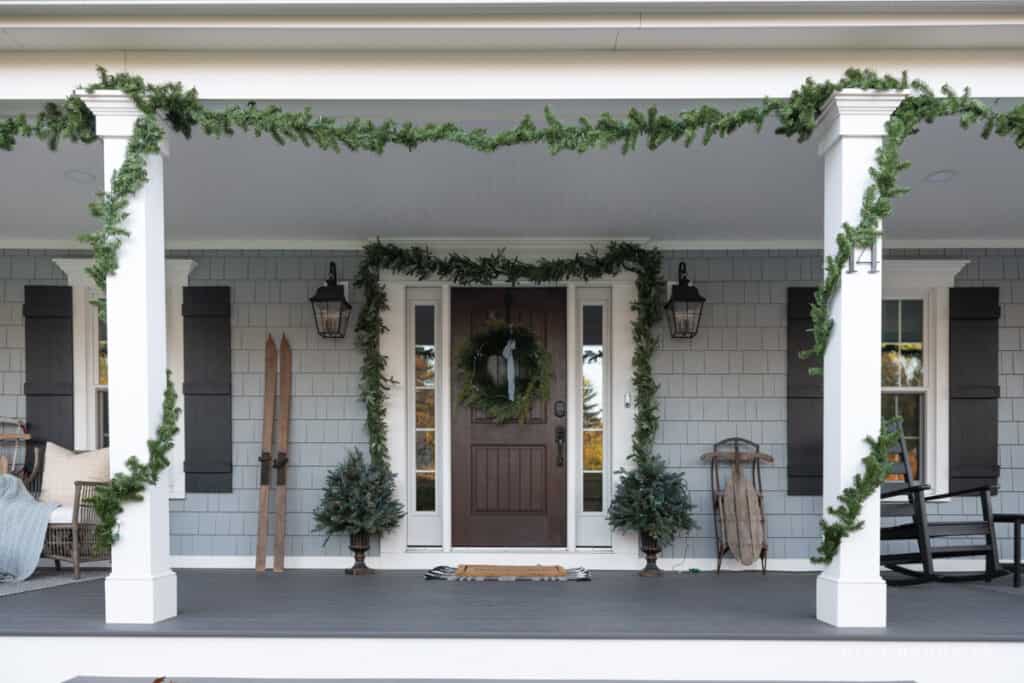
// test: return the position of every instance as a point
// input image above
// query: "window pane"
(425, 499)
(912, 320)
(103, 418)
(888, 406)
(593, 325)
(424, 408)
(593, 450)
(424, 450)
(913, 447)
(102, 381)
(424, 326)
(912, 365)
(890, 365)
(593, 484)
(426, 357)
(890, 321)
(593, 367)
(907, 407)
(910, 411)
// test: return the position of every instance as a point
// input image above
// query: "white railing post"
(850, 592)
(141, 588)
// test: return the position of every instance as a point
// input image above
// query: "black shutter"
(803, 399)
(973, 387)
(207, 388)
(49, 365)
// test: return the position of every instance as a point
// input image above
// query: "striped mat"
(497, 572)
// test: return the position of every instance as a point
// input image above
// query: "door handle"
(560, 442)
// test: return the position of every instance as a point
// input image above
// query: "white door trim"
(394, 345)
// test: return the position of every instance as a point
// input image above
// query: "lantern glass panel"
(331, 318)
(684, 318)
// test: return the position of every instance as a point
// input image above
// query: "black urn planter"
(359, 544)
(650, 548)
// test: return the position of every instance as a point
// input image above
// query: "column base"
(851, 604)
(141, 600)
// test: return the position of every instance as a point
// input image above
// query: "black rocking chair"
(972, 538)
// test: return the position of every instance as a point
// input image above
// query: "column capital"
(115, 114)
(856, 113)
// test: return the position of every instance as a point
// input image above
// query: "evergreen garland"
(481, 392)
(461, 270)
(796, 115)
(851, 501)
(127, 486)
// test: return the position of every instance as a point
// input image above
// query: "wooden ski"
(266, 447)
(281, 463)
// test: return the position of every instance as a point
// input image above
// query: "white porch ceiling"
(745, 190)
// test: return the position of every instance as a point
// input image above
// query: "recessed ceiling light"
(939, 177)
(77, 175)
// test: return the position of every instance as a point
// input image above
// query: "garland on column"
(180, 109)
(127, 486)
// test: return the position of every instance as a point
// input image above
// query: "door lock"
(560, 442)
(559, 408)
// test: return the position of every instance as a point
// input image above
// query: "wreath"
(528, 372)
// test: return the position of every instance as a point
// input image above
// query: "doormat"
(499, 572)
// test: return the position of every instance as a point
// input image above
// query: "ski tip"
(284, 341)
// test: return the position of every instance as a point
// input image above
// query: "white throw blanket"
(23, 522)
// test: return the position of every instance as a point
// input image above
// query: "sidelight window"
(425, 379)
(592, 405)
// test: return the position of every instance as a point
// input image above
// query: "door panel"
(508, 484)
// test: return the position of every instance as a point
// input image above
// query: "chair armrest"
(916, 488)
(974, 491)
(84, 491)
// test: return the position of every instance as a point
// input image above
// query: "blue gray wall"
(729, 381)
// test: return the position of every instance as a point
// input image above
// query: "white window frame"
(929, 281)
(85, 354)
(425, 528)
(592, 527)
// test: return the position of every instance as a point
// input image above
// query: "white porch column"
(850, 592)
(141, 588)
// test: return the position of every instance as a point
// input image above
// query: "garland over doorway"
(797, 115)
(421, 263)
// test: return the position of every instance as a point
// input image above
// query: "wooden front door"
(508, 480)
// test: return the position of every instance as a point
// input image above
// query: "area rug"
(497, 572)
(49, 578)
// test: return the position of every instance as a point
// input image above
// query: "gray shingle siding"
(270, 294)
(728, 381)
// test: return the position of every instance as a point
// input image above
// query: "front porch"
(310, 624)
(740, 377)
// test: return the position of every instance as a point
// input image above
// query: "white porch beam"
(141, 588)
(850, 592)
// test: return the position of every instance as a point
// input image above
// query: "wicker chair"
(73, 541)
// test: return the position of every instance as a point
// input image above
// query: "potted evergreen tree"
(654, 501)
(359, 500)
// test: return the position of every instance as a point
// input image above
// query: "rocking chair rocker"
(963, 535)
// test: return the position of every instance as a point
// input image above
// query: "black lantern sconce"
(684, 308)
(331, 310)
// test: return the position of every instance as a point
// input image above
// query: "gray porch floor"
(318, 603)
